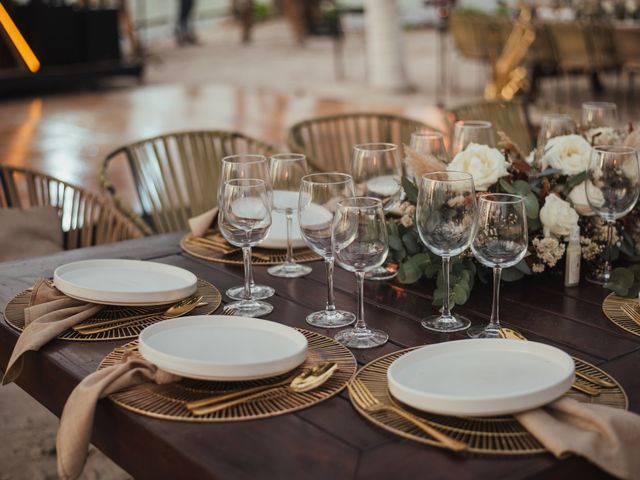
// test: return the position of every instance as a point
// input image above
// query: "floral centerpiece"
(552, 183)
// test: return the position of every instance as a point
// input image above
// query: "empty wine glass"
(319, 197)
(466, 132)
(612, 188)
(427, 144)
(445, 219)
(599, 114)
(246, 166)
(554, 125)
(500, 242)
(286, 171)
(376, 169)
(244, 218)
(360, 243)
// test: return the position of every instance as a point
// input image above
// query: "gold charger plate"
(14, 315)
(262, 256)
(612, 308)
(487, 435)
(168, 401)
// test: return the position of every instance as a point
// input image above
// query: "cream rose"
(568, 153)
(558, 216)
(578, 197)
(485, 164)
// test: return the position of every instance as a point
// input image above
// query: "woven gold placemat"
(488, 436)
(612, 308)
(168, 401)
(261, 256)
(14, 315)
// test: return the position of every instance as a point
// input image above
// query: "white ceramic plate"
(481, 377)
(124, 282)
(277, 238)
(223, 347)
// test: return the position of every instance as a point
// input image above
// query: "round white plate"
(277, 237)
(124, 282)
(223, 347)
(481, 377)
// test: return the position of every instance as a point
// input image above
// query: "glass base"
(361, 337)
(258, 292)
(250, 308)
(599, 277)
(484, 332)
(332, 319)
(381, 273)
(439, 323)
(289, 270)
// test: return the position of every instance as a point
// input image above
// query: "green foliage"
(461, 280)
(625, 282)
(575, 180)
(410, 190)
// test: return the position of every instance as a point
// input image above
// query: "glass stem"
(607, 255)
(331, 303)
(494, 323)
(446, 312)
(248, 276)
(360, 325)
(289, 258)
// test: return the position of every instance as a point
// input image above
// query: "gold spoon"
(176, 310)
(303, 382)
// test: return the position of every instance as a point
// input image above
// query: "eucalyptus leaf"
(411, 243)
(511, 274)
(409, 273)
(549, 171)
(460, 293)
(531, 205)
(506, 186)
(575, 180)
(523, 267)
(410, 190)
(521, 187)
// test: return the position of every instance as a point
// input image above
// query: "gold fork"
(365, 399)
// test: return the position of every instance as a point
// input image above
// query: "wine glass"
(246, 166)
(554, 125)
(376, 169)
(360, 243)
(244, 218)
(612, 187)
(319, 197)
(428, 144)
(286, 171)
(466, 132)
(599, 114)
(445, 219)
(500, 242)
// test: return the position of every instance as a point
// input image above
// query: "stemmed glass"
(445, 219)
(599, 114)
(286, 171)
(466, 132)
(244, 218)
(360, 243)
(319, 197)
(427, 144)
(554, 125)
(612, 187)
(376, 169)
(500, 242)
(246, 166)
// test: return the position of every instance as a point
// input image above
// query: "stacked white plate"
(481, 377)
(222, 347)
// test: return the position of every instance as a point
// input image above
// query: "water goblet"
(612, 188)
(244, 218)
(286, 172)
(553, 125)
(360, 243)
(445, 219)
(246, 166)
(466, 132)
(500, 241)
(377, 170)
(318, 200)
(428, 144)
(599, 114)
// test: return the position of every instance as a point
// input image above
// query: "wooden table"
(330, 440)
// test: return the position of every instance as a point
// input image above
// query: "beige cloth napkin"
(608, 437)
(50, 312)
(76, 422)
(30, 232)
(201, 223)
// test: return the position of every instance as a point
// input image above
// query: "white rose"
(557, 215)
(578, 197)
(531, 157)
(568, 153)
(485, 164)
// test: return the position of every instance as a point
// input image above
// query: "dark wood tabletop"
(330, 440)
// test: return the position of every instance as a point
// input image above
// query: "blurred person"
(243, 12)
(184, 25)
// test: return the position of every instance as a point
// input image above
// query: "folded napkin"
(76, 422)
(606, 436)
(201, 223)
(50, 312)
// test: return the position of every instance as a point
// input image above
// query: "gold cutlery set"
(219, 244)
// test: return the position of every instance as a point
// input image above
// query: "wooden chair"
(328, 141)
(570, 46)
(176, 175)
(87, 219)
(626, 41)
(509, 117)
